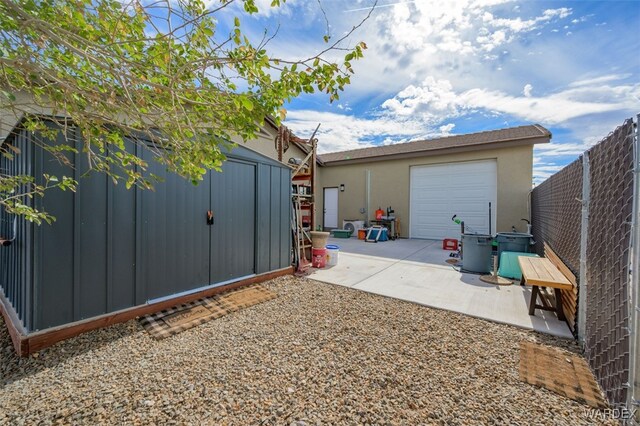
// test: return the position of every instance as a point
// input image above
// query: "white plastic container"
(332, 254)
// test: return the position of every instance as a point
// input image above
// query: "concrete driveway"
(415, 271)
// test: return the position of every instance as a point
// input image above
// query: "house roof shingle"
(472, 140)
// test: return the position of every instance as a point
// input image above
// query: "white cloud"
(564, 149)
(561, 13)
(340, 132)
(517, 25)
(409, 40)
(420, 111)
(436, 100)
(599, 80)
(446, 129)
(433, 100)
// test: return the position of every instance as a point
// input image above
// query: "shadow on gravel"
(14, 368)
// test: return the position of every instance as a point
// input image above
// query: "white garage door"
(441, 190)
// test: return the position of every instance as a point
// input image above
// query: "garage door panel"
(440, 191)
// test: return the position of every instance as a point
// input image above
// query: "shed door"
(441, 190)
(233, 202)
(175, 236)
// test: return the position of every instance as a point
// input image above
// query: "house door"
(330, 208)
(233, 204)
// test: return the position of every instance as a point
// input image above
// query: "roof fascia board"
(441, 151)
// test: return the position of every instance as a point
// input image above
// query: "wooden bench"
(541, 272)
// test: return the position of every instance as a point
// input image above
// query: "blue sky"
(435, 68)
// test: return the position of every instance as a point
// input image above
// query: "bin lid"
(514, 235)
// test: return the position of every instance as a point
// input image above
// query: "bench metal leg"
(559, 309)
(534, 297)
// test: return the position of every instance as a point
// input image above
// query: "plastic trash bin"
(509, 266)
(476, 252)
(513, 241)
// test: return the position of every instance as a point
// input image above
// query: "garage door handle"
(210, 217)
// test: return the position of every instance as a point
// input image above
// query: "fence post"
(633, 396)
(584, 232)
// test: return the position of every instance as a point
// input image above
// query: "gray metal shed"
(111, 248)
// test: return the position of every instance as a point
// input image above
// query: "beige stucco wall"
(390, 185)
(265, 145)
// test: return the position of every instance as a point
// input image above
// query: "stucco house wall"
(265, 145)
(389, 185)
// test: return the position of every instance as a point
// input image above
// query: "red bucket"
(318, 257)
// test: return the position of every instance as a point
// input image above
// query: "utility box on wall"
(111, 248)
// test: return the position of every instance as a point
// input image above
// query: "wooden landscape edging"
(16, 331)
(26, 344)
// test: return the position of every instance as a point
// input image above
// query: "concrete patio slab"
(355, 268)
(415, 271)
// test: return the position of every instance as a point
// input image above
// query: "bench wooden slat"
(540, 271)
(555, 259)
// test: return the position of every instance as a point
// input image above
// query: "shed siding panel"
(284, 235)
(16, 259)
(123, 246)
(263, 231)
(92, 228)
(54, 283)
(274, 225)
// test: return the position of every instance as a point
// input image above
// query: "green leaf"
(9, 95)
(247, 104)
(184, 93)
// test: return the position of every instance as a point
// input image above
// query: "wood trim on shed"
(26, 344)
(14, 326)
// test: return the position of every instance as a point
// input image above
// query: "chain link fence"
(608, 256)
(556, 217)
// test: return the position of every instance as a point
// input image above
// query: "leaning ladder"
(300, 236)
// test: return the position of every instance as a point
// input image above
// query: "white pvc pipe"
(368, 189)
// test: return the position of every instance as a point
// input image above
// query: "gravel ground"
(318, 354)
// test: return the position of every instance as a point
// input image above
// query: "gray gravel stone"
(318, 354)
